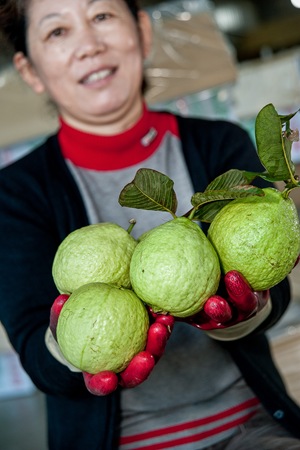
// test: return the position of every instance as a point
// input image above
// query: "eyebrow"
(49, 16)
(53, 15)
(93, 1)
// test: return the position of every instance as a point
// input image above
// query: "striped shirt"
(195, 396)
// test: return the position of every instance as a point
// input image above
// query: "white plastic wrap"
(190, 54)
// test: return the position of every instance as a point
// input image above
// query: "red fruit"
(158, 334)
(55, 310)
(137, 370)
(102, 383)
(218, 309)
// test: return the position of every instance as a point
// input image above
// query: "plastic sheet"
(190, 54)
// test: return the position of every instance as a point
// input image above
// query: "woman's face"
(88, 56)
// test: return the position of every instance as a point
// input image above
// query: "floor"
(22, 423)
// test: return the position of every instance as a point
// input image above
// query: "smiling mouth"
(96, 76)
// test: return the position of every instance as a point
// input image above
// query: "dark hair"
(13, 21)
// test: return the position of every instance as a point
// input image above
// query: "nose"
(89, 44)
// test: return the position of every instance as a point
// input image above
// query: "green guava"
(101, 327)
(94, 253)
(259, 237)
(174, 268)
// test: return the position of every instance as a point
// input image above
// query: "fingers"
(138, 370)
(55, 312)
(203, 322)
(240, 303)
(158, 335)
(102, 383)
(218, 309)
(167, 320)
(240, 294)
(141, 365)
(106, 382)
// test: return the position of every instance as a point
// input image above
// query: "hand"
(236, 303)
(141, 365)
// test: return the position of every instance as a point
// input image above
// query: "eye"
(57, 32)
(100, 17)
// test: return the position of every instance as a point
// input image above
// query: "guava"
(174, 268)
(259, 236)
(94, 253)
(102, 327)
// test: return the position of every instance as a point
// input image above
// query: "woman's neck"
(100, 152)
(114, 123)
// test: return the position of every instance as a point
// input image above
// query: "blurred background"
(219, 59)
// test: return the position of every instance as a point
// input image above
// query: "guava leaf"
(286, 119)
(210, 202)
(150, 190)
(231, 178)
(208, 211)
(273, 146)
(268, 177)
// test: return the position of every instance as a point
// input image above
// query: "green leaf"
(273, 147)
(268, 177)
(207, 204)
(208, 211)
(286, 119)
(232, 177)
(150, 190)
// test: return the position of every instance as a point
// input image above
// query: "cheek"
(50, 70)
(52, 81)
(132, 44)
(128, 42)
(132, 57)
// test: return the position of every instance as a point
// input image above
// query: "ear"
(145, 27)
(28, 73)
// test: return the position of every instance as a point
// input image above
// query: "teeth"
(97, 76)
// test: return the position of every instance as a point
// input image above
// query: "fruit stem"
(192, 213)
(130, 228)
(288, 189)
(290, 185)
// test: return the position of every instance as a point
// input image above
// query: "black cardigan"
(39, 205)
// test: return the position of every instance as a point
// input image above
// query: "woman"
(204, 393)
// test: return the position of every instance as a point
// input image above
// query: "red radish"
(158, 335)
(55, 310)
(102, 383)
(218, 309)
(137, 370)
(240, 293)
